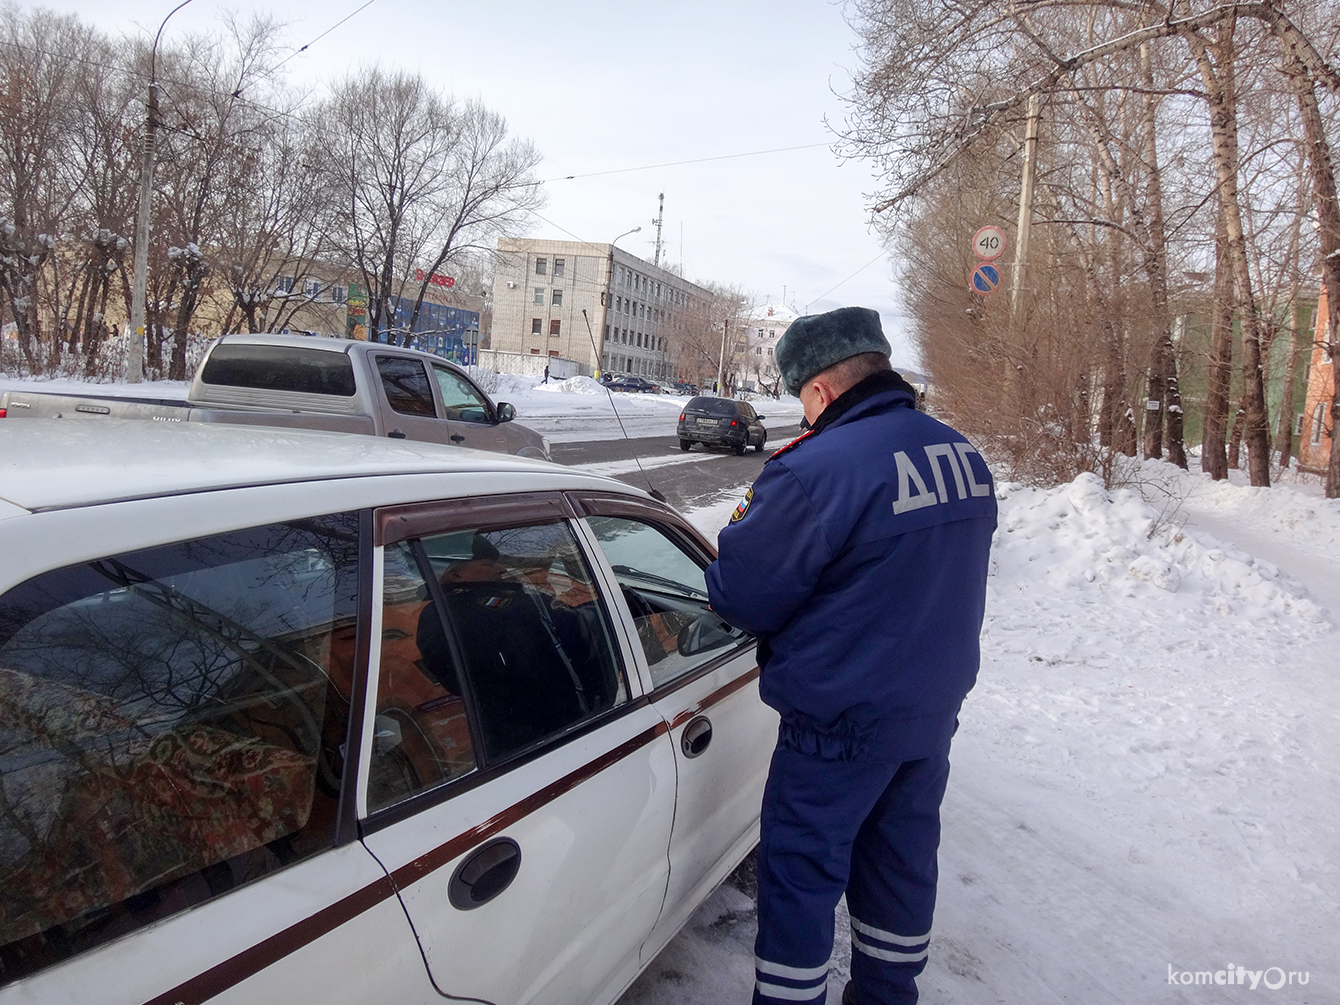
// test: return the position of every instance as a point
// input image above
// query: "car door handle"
(485, 873)
(396, 434)
(697, 736)
(456, 437)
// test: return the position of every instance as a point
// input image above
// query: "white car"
(291, 716)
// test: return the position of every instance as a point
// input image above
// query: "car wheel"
(685, 444)
(739, 449)
(758, 447)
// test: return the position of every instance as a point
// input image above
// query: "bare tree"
(418, 178)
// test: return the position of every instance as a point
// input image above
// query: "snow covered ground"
(1144, 782)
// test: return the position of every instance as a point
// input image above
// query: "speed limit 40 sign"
(989, 243)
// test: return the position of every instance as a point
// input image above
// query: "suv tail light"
(734, 422)
(3, 412)
(681, 416)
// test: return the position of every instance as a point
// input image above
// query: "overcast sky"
(601, 86)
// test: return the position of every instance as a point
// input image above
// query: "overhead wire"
(318, 38)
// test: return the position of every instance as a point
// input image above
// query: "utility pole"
(660, 218)
(721, 363)
(1025, 198)
(135, 356)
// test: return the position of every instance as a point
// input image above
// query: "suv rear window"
(281, 368)
(711, 406)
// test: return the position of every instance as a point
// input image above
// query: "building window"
(618, 305)
(554, 326)
(558, 298)
(1298, 424)
(558, 266)
(607, 333)
(535, 352)
(284, 284)
(338, 294)
(541, 266)
(769, 351)
(1318, 415)
(553, 352)
(536, 326)
(539, 295)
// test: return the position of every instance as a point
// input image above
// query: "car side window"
(172, 724)
(406, 385)
(666, 592)
(421, 733)
(510, 633)
(460, 399)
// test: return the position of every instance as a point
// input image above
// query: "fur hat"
(815, 342)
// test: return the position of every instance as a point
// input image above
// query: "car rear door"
(518, 791)
(405, 393)
(178, 817)
(703, 680)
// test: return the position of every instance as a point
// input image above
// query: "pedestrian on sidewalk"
(859, 560)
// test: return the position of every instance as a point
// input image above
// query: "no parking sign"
(984, 279)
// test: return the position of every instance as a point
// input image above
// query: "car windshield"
(711, 406)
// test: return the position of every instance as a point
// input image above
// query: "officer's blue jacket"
(859, 559)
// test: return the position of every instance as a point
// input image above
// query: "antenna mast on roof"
(660, 218)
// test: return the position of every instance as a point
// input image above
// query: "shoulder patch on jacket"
(793, 444)
(743, 508)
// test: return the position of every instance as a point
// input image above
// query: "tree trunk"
(1322, 170)
(1220, 93)
(1219, 371)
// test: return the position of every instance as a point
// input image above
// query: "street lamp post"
(609, 285)
(135, 356)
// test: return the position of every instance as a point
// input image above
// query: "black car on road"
(721, 422)
(635, 384)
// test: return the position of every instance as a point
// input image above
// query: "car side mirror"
(760, 418)
(506, 413)
(704, 633)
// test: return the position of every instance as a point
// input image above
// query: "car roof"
(329, 344)
(302, 341)
(62, 463)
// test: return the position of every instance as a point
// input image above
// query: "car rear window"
(281, 368)
(711, 406)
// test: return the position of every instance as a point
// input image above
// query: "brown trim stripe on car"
(725, 691)
(236, 969)
(251, 961)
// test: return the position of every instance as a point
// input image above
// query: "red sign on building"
(437, 279)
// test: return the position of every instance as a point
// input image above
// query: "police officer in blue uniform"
(859, 559)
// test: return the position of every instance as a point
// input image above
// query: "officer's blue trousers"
(869, 828)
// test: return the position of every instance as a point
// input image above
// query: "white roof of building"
(777, 313)
(60, 463)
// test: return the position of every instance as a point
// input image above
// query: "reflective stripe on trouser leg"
(891, 895)
(812, 810)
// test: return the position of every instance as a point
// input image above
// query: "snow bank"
(1293, 509)
(1084, 543)
(573, 385)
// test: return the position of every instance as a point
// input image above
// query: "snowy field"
(1144, 783)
